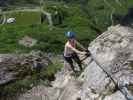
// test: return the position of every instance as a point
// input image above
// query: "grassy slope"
(53, 41)
(25, 18)
(10, 34)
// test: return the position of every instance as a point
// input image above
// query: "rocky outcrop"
(27, 41)
(17, 66)
(113, 51)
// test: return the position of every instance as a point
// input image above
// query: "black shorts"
(74, 57)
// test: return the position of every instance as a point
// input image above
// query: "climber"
(70, 51)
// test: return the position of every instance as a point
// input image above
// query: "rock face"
(113, 51)
(14, 66)
(41, 93)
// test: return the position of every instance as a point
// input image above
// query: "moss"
(131, 64)
(130, 87)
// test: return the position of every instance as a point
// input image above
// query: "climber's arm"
(76, 50)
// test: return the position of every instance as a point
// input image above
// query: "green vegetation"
(7, 3)
(10, 35)
(88, 19)
(131, 65)
(25, 18)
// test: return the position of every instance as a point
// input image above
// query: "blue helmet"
(70, 34)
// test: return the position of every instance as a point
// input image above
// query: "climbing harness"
(123, 90)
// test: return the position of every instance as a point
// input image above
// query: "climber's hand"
(88, 53)
(83, 53)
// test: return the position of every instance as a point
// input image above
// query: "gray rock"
(27, 41)
(112, 50)
(41, 93)
(14, 65)
(115, 96)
